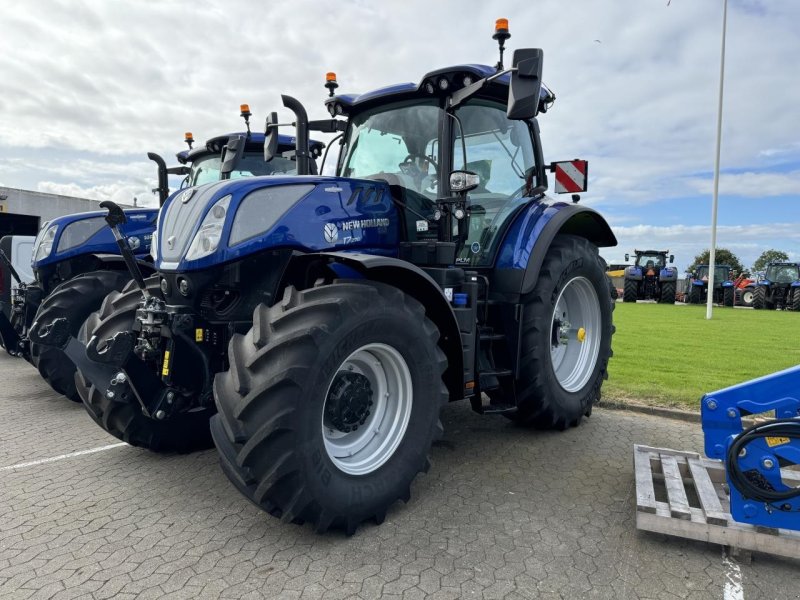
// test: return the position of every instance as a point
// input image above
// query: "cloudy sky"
(88, 88)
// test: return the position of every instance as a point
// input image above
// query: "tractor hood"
(87, 233)
(206, 226)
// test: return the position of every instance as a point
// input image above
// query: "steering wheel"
(409, 160)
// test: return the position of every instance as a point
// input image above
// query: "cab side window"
(501, 152)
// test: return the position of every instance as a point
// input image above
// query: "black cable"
(787, 428)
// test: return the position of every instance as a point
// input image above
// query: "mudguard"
(668, 274)
(522, 251)
(633, 274)
(413, 281)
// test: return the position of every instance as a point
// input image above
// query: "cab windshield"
(207, 169)
(783, 273)
(650, 261)
(720, 273)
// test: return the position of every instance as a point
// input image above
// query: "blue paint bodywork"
(778, 395)
(342, 202)
(515, 250)
(141, 224)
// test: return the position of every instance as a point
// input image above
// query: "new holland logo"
(186, 196)
(331, 233)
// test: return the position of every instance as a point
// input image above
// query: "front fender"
(405, 276)
(527, 240)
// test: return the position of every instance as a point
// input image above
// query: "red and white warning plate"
(571, 176)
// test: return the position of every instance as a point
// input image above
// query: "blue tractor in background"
(649, 278)
(724, 291)
(77, 261)
(779, 289)
(327, 320)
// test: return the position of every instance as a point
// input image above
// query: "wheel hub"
(349, 401)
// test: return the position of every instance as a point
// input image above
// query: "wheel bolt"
(160, 414)
(109, 394)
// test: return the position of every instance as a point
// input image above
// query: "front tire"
(298, 386)
(694, 295)
(727, 296)
(75, 300)
(796, 299)
(182, 432)
(566, 338)
(759, 298)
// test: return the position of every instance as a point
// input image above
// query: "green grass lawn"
(671, 355)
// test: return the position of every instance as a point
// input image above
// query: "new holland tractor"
(779, 289)
(328, 319)
(649, 278)
(78, 262)
(723, 292)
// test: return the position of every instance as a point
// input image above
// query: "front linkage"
(137, 363)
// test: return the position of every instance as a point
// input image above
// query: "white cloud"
(751, 185)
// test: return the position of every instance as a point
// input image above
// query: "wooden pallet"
(696, 503)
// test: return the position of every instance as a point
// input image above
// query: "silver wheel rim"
(575, 334)
(378, 434)
(747, 297)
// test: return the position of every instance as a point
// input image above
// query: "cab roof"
(255, 143)
(442, 81)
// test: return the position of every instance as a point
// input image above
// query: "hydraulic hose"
(786, 428)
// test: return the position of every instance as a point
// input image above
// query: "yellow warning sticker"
(165, 368)
(776, 441)
(198, 335)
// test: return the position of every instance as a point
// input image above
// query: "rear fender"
(668, 275)
(633, 274)
(524, 247)
(304, 269)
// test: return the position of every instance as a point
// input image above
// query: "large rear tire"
(759, 297)
(796, 299)
(566, 338)
(667, 293)
(630, 291)
(727, 296)
(694, 295)
(296, 431)
(182, 432)
(75, 300)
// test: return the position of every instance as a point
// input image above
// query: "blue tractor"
(327, 320)
(649, 278)
(779, 289)
(77, 261)
(724, 291)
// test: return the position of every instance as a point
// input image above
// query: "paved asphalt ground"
(503, 513)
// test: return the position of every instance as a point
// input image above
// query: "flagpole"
(715, 199)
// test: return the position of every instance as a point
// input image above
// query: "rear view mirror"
(271, 137)
(231, 155)
(571, 176)
(526, 84)
(627, 257)
(671, 258)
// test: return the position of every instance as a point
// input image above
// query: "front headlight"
(154, 239)
(45, 245)
(207, 239)
(154, 245)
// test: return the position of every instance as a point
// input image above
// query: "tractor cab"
(783, 273)
(418, 137)
(206, 163)
(722, 273)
